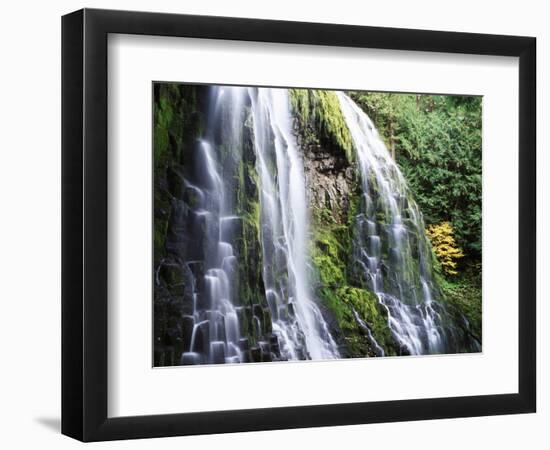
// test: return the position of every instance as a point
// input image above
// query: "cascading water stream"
(285, 225)
(216, 319)
(216, 335)
(391, 250)
(299, 330)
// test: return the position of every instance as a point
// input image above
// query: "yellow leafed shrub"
(444, 245)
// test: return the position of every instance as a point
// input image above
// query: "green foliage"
(438, 147)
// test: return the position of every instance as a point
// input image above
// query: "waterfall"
(216, 322)
(285, 224)
(391, 250)
(216, 335)
(297, 328)
(246, 253)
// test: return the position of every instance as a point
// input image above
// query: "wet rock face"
(175, 216)
(330, 179)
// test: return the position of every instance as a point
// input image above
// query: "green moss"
(331, 121)
(248, 247)
(300, 102)
(320, 109)
(177, 124)
(328, 254)
(163, 117)
(369, 309)
(342, 295)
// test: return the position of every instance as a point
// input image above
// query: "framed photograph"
(273, 224)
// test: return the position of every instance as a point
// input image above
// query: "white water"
(217, 320)
(285, 223)
(391, 249)
(297, 323)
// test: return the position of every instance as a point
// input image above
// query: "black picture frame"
(84, 224)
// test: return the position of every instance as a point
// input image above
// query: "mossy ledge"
(320, 111)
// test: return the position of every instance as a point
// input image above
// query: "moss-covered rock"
(320, 110)
(177, 123)
(336, 287)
